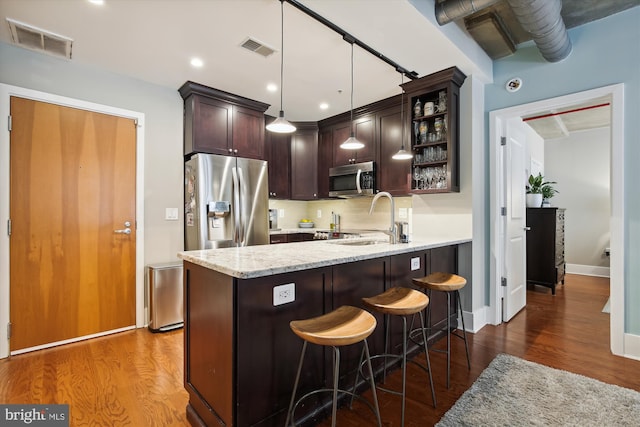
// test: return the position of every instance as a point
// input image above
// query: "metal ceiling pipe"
(542, 19)
(450, 10)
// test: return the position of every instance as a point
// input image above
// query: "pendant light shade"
(280, 124)
(402, 154)
(352, 142)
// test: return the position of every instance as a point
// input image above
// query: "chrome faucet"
(392, 227)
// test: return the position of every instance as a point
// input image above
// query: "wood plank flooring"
(135, 378)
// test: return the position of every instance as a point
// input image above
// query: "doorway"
(137, 316)
(497, 120)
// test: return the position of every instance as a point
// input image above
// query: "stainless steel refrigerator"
(226, 202)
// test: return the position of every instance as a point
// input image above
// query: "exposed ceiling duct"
(451, 10)
(500, 25)
(542, 19)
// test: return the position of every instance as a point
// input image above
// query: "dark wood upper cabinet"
(435, 132)
(339, 134)
(278, 155)
(364, 129)
(218, 122)
(393, 176)
(304, 162)
(325, 161)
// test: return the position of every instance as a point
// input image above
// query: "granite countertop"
(266, 260)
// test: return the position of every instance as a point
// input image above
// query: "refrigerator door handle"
(242, 220)
(237, 235)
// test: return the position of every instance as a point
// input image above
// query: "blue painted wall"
(605, 52)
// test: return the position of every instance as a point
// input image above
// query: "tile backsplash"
(354, 212)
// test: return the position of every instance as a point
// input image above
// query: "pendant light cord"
(352, 128)
(281, 48)
(401, 112)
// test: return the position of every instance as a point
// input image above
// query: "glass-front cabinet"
(434, 104)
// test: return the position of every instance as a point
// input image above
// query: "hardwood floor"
(135, 378)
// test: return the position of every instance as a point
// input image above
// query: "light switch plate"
(319, 213)
(171, 214)
(281, 213)
(284, 294)
(415, 263)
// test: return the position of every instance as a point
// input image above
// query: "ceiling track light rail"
(350, 39)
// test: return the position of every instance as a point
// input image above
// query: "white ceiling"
(154, 40)
(560, 123)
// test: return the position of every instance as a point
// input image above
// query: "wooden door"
(248, 133)
(72, 186)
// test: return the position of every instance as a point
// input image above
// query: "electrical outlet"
(284, 294)
(402, 213)
(281, 213)
(415, 263)
(319, 213)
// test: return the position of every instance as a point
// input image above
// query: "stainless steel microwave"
(357, 179)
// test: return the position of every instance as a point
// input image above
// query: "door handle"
(526, 228)
(123, 231)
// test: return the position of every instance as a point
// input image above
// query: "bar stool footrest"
(341, 393)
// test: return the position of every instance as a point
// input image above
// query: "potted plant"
(535, 190)
(548, 192)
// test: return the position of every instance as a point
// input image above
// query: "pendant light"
(280, 124)
(352, 143)
(402, 154)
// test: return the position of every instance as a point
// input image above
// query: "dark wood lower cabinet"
(241, 356)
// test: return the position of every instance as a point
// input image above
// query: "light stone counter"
(266, 260)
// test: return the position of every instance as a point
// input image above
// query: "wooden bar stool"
(448, 283)
(344, 326)
(402, 302)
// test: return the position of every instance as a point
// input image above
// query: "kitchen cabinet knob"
(527, 228)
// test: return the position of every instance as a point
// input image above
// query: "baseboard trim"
(71, 340)
(632, 346)
(474, 321)
(588, 270)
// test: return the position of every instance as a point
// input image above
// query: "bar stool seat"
(344, 326)
(402, 302)
(448, 283)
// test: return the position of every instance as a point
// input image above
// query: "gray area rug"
(516, 392)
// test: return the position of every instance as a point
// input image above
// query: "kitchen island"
(240, 354)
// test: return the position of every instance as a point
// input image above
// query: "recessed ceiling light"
(97, 2)
(271, 87)
(324, 106)
(197, 62)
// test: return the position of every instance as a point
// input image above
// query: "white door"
(515, 292)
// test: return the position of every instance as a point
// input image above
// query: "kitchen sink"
(348, 242)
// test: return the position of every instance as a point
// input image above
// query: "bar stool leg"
(404, 366)
(295, 385)
(372, 383)
(426, 354)
(336, 374)
(448, 335)
(464, 330)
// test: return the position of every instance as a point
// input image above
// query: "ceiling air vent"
(258, 47)
(31, 37)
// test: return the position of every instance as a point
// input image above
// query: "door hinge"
(8, 227)
(503, 281)
(9, 330)
(503, 140)
(9, 122)
(503, 211)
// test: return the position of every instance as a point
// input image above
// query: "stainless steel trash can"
(165, 296)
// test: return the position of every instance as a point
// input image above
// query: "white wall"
(535, 149)
(580, 164)
(162, 107)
